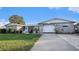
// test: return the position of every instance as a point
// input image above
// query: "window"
(65, 26)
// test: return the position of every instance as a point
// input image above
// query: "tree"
(16, 19)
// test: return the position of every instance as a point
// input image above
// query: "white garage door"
(48, 28)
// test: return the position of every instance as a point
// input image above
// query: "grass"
(17, 42)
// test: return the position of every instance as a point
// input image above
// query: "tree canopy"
(16, 19)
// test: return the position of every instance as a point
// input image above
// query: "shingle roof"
(14, 24)
(57, 20)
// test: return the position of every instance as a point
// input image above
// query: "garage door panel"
(48, 28)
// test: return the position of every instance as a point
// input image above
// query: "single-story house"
(14, 27)
(17, 27)
(31, 28)
(57, 25)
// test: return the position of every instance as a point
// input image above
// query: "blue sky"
(33, 15)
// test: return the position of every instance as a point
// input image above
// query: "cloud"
(74, 9)
(3, 22)
(54, 8)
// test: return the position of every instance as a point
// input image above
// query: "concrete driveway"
(57, 42)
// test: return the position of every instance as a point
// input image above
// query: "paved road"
(53, 42)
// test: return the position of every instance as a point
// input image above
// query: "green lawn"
(17, 42)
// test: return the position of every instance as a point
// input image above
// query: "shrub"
(2, 30)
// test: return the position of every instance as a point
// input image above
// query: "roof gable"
(14, 24)
(58, 20)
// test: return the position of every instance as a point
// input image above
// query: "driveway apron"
(52, 42)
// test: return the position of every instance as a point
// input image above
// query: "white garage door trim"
(48, 28)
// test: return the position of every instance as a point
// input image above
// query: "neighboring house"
(13, 27)
(57, 25)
